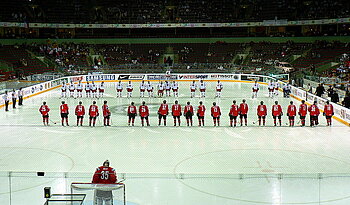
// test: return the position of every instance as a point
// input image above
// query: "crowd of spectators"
(139, 11)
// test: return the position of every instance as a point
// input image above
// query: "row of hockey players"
(92, 90)
(273, 88)
(188, 111)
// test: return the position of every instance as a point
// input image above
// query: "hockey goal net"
(100, 192)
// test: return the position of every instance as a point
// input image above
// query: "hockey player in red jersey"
(106, 113)
(176, 112)
(200, 113)
(243, 111)
(216, 113)
(44, 110)
(104, 175)
(132, 112)
(93, 113)
(302, 112)
(234, 111)
(314, 113)
(291, 113)
(163, 111)
(262, 112)
(144, 113)
(328, 112)
(80, 112)
(64, 112)
(277, 113)
(188, 112)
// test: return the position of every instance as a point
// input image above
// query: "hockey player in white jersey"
(277, 85)
(142, 89)
(93, 88)
(63, 90)
(219, 88)
(119, 88)
(129, 89)
(149, 89)
(193, 87)
(167, 88)
(161, 88)
(202, 88)
(72, 90)
(255, 90)
(79, 90)
(88, 89)
(101, 89)
(271, 88)
(175, 88)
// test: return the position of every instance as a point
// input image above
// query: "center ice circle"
(258, 173)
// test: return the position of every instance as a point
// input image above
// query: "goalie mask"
(106, 163)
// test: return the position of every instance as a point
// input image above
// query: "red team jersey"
(93, 111)
(176, 110)
(243, 108)
(144, 112)
(80, 110)
(188, 108)
(314, 111)
(262, 110)
(44, 110)
(234, 111)
(215, 111)
(132, 109)
(105, 110)
(276, 110)
(104, 175)
(163, 109)
(328, 110)
(303, 110)
(201, 110)
(292, 110)
(64, 108)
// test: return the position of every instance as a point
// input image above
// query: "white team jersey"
(256, 86)
(175, 85)
(72, 87)
(277, 85)
(167, 86)
(102, 86)
(93, 87)
(129, 86)
(87, 87)
(219, 86)
(142, 86)
(64, 87)
(119, 86)
(161, 87)
(149, 86)
(79, 86)
(202, 86)
(271, 85)
(193, 86)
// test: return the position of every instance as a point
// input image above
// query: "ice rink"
(176, 165)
